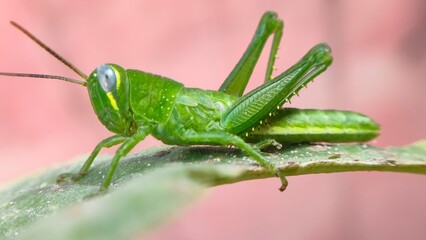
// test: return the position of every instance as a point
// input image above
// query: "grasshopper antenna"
(34, 75)
(53, 53)
(49, 50)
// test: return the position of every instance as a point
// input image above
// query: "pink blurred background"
(379, 68)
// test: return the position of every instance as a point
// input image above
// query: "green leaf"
(152, 186)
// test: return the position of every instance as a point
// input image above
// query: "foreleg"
(106, 143)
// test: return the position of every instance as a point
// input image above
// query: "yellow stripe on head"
(112, 100)
(118, 79)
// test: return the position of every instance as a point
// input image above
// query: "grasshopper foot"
(284, 182)
(69, 178)
(99, 193)
(269, 145)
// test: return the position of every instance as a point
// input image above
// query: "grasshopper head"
(108, 88)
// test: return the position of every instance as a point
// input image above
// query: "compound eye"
(106, 77)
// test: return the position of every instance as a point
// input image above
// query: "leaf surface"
(153, 186)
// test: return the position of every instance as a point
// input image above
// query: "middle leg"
(224, 138)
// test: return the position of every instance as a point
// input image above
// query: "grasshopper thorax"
(108, 88)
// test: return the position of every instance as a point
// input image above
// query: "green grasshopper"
(133, 104)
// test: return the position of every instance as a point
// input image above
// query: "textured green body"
(174, 111)
(152, 97)
(195, 111)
